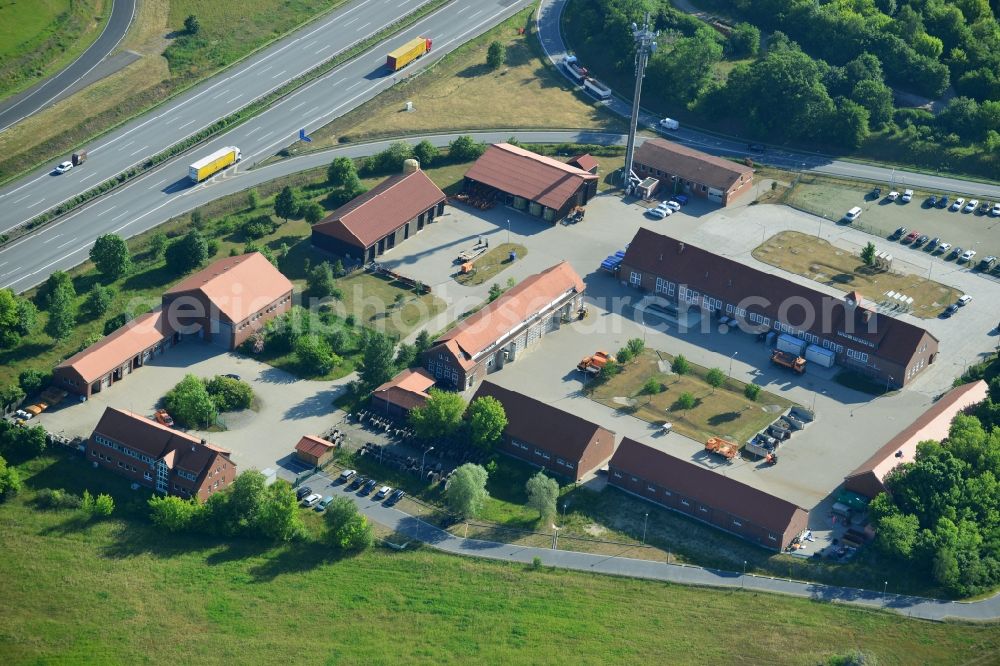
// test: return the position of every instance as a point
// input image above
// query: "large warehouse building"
(888, 349)
(527, 181)
(684, 170)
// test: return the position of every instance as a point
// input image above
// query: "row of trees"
(447, 416)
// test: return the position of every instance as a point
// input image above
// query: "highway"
(218, 97)
(32, 100)
(549, 34)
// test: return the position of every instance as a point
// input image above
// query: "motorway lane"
(201, 106)
(22, 105)
(550, 35)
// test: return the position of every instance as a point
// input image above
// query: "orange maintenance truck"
(796, 363)
(407, 53)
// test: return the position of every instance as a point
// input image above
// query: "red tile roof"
(515, 307)
(703, 485)
(408, 389)
(530, 420)
(931, 425)
(115, 349)
(523, 173)
(721, 277)
(381, 210)
(314, 446)
(690, 164)
(237, 286)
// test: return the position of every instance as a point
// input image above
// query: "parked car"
(357, 482)
(232, 376)
(943, 247)
(907, 196)
(912, 236)
(971, 206)
(942, 202)
(957, 205)
(164, 418)
(988, 263)
(673, 205)
(967, 255)
(852, 214)
(383, 492)
(63, 167)
(920, 241)
(323, 503)
(682, 199)
(995, 211)
(932, 244)
(302, 492)
(898, 233)
(875, 193)
(955, 252)
(369, 486)
(395, 497)
(660, 211)
(963, 300)
(985, 208)
(312, 500)
(931, 201)
(347, 475)
(892, 196)
(949, 311)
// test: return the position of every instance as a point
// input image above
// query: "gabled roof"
(117, 348)
(690, 164)
(408, 389)
(530, 175)
(587, 162)
(381, 210)
(178, 449)
(543, 425)
(933, 424)
(314, 446)
(519, 304)
(721, 277)
(237, 286)
(703, 485)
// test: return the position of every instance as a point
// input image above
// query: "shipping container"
(407, 53)
(820, 356)
(790, 344)
(214, 163)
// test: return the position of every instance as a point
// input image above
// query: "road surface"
(32, 100)
(548, 20)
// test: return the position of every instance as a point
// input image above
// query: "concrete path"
(622, 565)
(20, 106)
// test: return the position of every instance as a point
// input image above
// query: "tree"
(465, 149)
(32, 380)
(346, 528)
(680, 365)
(27, 317)
(98, 301)
(343, 173)
(487, 420)
(279, 517)
(245, 502)
(406, 356)
(868, 254)
(173, 513)
(253, 199)
(187, 253)
(116, 322)
(111, 256)
(377, 360)
(496, 55)
(686, 401)
(10, 480)
(314, 354)
(426, 153)
(423, 341)
(157, 245)
(543, 491)
(10, 394)
(190, 404)
(652, 387)
(465, 491)
(682, 71)
(897, 535)
(312, 212)
(623, 356)
(191, 25)
(496, 291)
(715, 378)
(609, 370)
(744, 41)
(104, 505)
(320, 281)
(229, 394)
(751, 391)
(876, 97)
(62, 312)
(51, 285)
(636, 346)
(9, 334)
(285, 204)
(440, 417)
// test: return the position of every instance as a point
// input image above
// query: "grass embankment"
(491, 264)
(39, 38)
(170, 61)
(461, 92)
(818, 260)
(80, 592)
(722, 412)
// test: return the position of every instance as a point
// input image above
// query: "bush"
(496, 55)
(751, 391)
(98, 302)
(229, 394)
(680, 365)
(465, 149)
(116, 322)
(314, 355)
(624, 355)
(258, 227)
(32, 380)
(312, 212)
(190, 404)
(57, 498)
(10, 480)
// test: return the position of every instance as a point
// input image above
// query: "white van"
(853, 214)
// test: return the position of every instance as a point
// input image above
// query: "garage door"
(534, 333)
(222, 334)
(552, 324)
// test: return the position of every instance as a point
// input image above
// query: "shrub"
(496, 55)
(624, 355)
(116, 322)
(680, 365)
(258, 227)
(32, 380)
(98, 302)
(56, 498)
(751, 391)
(229, 394)
(190, 404)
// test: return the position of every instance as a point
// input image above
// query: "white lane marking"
(230, 101)
(21, 199)
(296, 106)
(266, 69)
(311, 110)
(4, 264)
(224, 92)
(323, 49)
(126, 145)
(472, 16)
(264, 136)
(186, 124)
(305, 46)
(358, 83)
(88, 176)
(51, 239)
(363, 27)
(255, 129)
(69, 242)
(119, 216)
(279, 74)
(159, 182)
(352, 21)
(32, 205)
(465, 8)
(138, 151)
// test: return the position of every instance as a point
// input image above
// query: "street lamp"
(814, 399)
(885, 588)
(887, 383)
(565, 504)
(744, 574)
(731, 363)
(422, 459)
(508, 231)
(645, 520)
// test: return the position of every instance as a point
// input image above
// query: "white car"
(907, 195)
(995, 211)
(670, 124)
(347, 475)
(672, 205)
(967, 255)
(892, 196)
(959, 202)
(312, 500)
(943, 247)
(964, 299)
(660, 211)
(971, 206)
(383, 492)
(64, 167)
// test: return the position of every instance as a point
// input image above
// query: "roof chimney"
(204, 442)
(680, 248)
(410, 165)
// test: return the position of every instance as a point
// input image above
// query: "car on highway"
(369, 487)
(63, 167)
(920, 241)
(957, 205)
(347, 475)
(971, 206)
(383, 492)
(898, 233)
(892, 196)
(931, 201)
(963, 300)
(995, 211)
(907, 196)
(967, 256)
(670, 124)
(660, 211)
(323, 503)
(311, 500)
(955, 252)
(942, 202)
(912, 236)
(302, 492)
(943, 247)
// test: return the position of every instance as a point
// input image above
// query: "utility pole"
(645, 45)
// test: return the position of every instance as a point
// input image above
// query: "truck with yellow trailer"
(214, 163)
(407, 53)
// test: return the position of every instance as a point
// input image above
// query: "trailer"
(597, 89)
(791, 344)
(407, 53)
(790, 361)
(761, 445)
(214, 163)
(575, 71)
(722, 447)
(466, 256)
(819, 356)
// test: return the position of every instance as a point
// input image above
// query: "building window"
(661, 285)
(772, 537)
(618, 475)
(147, 476)
(737, 523)
(703, 509)
(635, 279)
(685, 502)
(650, 488)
